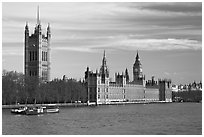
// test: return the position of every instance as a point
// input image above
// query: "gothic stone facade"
(37, 52)
(101, 91)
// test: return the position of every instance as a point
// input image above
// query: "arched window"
(45, 56)
(30, 56)
(42, 55)
(36, 55)
(33, 55)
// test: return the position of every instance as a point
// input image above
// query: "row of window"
(44, 56)
(44, 78)
(33, 73)
(107, 96)
(104, 96)
(104, 90)
(33, 55)
(99, 82)
(44, 74)
(107, 90)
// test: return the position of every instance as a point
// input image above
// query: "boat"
(20, 110)
(51, 109)
(34, 110)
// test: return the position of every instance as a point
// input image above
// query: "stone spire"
(127, 75)
(38, 16)
(104, 59)
(48, 27)
(48, 31)
(137, 57)
(26, 27)
(104, 69)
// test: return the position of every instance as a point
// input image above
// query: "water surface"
(135, 119)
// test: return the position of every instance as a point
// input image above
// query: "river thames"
(131, 119)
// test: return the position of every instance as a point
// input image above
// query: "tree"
(24, 89)
(12, 85)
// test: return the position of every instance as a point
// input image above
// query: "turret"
(127, 75)
(26, 30)
(38, 25)
(48, 31)
(48, 44)
(26, 34)
(87, 73)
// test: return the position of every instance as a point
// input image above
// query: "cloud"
(78, 49)
(87, 27)
(12, 52)
(192, 8)
(141, 44)
(158, 44)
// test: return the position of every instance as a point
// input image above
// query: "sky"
(167, 36)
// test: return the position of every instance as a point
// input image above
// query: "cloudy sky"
(168, 37)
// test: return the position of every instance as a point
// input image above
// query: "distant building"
(101, 91)
(188, 87)
(175, 88)
(37, 52)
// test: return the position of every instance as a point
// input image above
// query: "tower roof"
(104, 68)
(48, 28)
(26, 27)
(137, 60)
(137, 57)
(104, 59)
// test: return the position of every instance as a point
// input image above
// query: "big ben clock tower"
(137, 70)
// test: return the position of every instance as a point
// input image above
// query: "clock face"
(136, 69)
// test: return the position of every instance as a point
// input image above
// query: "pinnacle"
(38, 15)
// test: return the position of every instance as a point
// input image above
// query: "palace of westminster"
(100, 90)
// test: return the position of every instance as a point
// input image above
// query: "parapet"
(151, 83)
